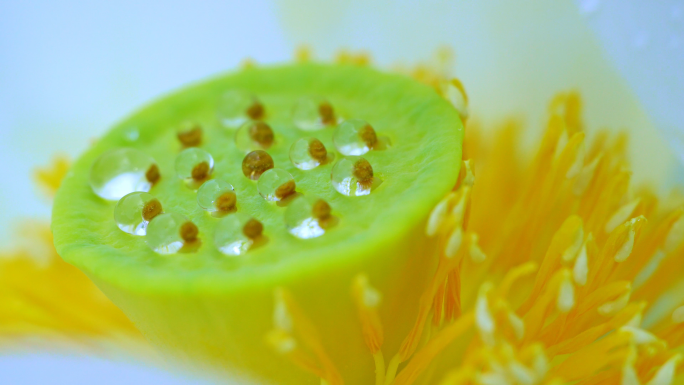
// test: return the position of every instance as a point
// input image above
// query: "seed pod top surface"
(410, 174)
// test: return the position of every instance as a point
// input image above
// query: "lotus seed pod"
(201, 288)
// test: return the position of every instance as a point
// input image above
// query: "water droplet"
(235, 107)
(122, 171)
(256, 163)
(132, 134)
(189, 133)
(217, 195)
(194, 165)
(355, 137)
(353, 176)
(236, 234)
(171, 233)
(309, 153)
(276, 184)
(309, 217)
(312, 113)
(134, 212)
(254, 135)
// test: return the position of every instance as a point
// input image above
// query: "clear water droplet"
(353, 176)
(122, 171)
(309, 153)
(189, 133)
(194, 165)
(276, 184)
(217, 195)
(355, 137)
(309, 217)
(132, 134)
(235, 107)
(172, 233)
(312, 114)
(256, 163)
(254, 135)
(134, 212)
(237, 233)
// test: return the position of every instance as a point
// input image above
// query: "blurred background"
(73, 68)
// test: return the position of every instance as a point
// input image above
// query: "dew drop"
(189, 133)
(172, 233)
(122, 171)
(276, 184)
(256, 163)
(312, 113)
(254, 135)
(355, 137)
(309, 217)
(194, 165)
(309, 153)
(134, 212)
(235, 107)
(236, 234)
(353, 176)
(217, 195)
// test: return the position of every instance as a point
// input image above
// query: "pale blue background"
(69, 69)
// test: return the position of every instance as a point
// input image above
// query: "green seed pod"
(204, 307)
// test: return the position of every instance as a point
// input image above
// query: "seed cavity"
(276, 184)
(152, 175)
(122, 171)
(312, 114)
(194, 165)
(134, 211)
(190, 134)
(200, 171)
(253, 229)
(151, 209)
(256, 110)
(309, 217)
(256, 163)
(254, 135)
(188, 232)
(238, 233)
(354, 176)
(326, 112)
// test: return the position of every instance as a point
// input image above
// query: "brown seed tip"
(253, 229)
(191, 137)
(152, 175)
(285, 190)
(200, 171)
(363, 171)
(188, 232)
(367, 134)
(321, 210)
(256, 163)
(261, 133)
(317, 150)
(327, 113)
(151, 209)
(256, 110)
(226, 201)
